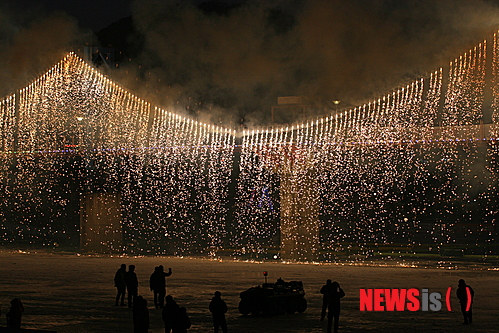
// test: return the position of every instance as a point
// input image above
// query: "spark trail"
(415, 169)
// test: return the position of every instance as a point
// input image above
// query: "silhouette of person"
(140, 315)
(15, 313)
(157, 284)
(462, 295)
(335, 293)
(280, 284)
(325, 293)
(181, 321)
(119, 283)
(218, 308)
(170, 313)
(132, 285)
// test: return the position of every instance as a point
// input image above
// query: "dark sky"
(238, 56)
(91, 14)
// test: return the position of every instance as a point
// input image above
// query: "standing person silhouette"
(325, 293)
(218, 308)
(170, 313)
(182, 322)
(15, 314)
(462, 295)
(119, 283)
(335, 293)
(132, 285)
(140, 315)
(157, 284)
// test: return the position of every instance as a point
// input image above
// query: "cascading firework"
(73, 132)
(415, 170)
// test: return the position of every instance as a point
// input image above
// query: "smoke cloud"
(225, 60)
(32, 42)
(239, 56)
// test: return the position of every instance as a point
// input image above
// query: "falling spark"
(412, 169)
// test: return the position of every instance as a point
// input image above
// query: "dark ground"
(72, 294)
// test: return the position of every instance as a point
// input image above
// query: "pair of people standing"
(157, 284)
(127, 281)
(177, 321)
(332, 293)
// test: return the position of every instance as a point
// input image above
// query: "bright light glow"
(411, 168)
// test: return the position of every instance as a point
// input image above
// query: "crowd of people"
(175, 317)
(177, 320)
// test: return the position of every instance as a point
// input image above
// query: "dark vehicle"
(274, 298)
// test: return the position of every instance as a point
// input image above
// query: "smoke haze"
(243, 55)
(32, 42)
(232, 59)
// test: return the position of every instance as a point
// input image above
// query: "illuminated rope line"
(463, 69)
(252, 145)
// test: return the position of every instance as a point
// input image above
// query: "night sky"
(237, 57)
(91, 14)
